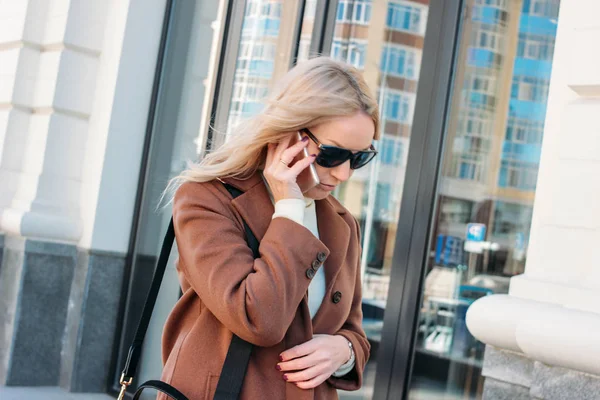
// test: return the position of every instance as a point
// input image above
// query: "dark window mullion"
(394, 360)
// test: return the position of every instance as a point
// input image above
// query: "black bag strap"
(238, 355)
(161, 387)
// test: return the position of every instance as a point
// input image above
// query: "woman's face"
(354, 133)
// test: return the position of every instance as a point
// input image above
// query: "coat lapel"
(334, 232)
(254, 205)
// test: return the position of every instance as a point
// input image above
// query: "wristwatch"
(352, 356)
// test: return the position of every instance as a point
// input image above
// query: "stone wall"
(512, 376)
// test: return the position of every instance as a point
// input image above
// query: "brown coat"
(263, 301)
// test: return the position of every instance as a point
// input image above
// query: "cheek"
(321, 172)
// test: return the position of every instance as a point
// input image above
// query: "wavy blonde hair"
(310, 93)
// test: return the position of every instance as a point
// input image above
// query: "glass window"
(352, 51)
(536, 47)
(387, 38)
(401, 61)
(393, 150)
(176, 138)
(398, 106)
(354, 11)
(406, 16)
(488, 176)
(541, 8)
(256, 59)
(308, 21)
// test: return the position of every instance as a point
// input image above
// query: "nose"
(342, 172)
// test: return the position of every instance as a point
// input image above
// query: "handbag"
(238, 354)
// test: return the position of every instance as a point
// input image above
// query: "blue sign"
(475, 232)
(448, 250)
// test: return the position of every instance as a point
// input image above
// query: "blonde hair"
(310, 93)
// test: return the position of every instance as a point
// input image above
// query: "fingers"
(305, 375)
(280, 149)
(302, 164)
(301, 350)
(314, 382)
(290, 153)
(299, 363)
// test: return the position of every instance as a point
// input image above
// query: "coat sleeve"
(254, 298)
(353, 331)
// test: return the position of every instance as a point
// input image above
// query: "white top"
(304, 213)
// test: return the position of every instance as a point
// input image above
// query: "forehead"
(354, 132)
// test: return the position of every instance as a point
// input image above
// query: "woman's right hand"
(280, 177)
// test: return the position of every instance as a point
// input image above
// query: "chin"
(317, 194)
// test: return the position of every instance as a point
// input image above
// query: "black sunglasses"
(332, 156)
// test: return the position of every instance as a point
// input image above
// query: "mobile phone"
(308, 178)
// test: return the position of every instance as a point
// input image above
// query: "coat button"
(321, 256)
(337, 297)
(316, 265)
(310, 273)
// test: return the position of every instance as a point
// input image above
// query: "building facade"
(488, 139)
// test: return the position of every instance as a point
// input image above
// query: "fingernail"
(305, 139)
(313, 155)
(280, 358)
(285, 378)
(278, 367)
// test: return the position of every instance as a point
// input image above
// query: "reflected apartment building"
(488, 176)
(495, 132)
(384, 40)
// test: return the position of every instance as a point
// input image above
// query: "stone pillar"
(545, 332)
(75, 84)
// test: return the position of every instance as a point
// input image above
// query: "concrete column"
(75, 84)
(542, 338)
(52, 72)
(562, 265)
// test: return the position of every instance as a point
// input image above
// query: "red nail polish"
(285, 378)
(305, 139)
(278, 367)
(280, 358)
(313, 155)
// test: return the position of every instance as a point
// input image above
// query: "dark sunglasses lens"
(361, 159)
(330, 157)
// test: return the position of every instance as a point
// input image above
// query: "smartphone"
(308, 178)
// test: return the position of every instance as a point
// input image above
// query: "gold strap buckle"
(124, 385)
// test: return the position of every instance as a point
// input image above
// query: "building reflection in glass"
(488, 176)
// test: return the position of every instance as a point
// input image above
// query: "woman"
(299, 303)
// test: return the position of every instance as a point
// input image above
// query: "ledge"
(544, 332)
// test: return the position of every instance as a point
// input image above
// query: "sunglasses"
(332, 156)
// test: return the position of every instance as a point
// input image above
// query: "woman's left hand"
(314, 361)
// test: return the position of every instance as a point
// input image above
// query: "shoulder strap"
(238, 355)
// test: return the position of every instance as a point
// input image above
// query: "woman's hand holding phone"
(279, 172)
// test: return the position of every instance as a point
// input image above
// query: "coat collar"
(256, 208)
(256, 180)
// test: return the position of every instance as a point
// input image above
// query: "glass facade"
(383, 39)
(488, 169)
(256, 58)
(175, 140)
(487, 184)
